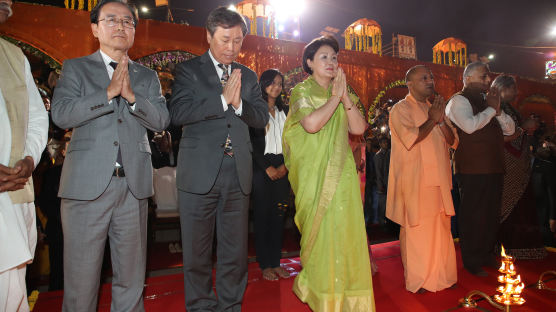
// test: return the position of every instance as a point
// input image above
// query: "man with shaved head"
(479, 165)
(420, 181)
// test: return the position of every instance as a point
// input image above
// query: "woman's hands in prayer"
(339, 85)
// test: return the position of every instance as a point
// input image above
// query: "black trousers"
(269, 205)
(225, 208)
(478, 217)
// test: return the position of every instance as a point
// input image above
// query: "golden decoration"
(450, 51)
(259, 8)
(364, 35)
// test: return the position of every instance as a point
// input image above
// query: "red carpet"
(165, 293)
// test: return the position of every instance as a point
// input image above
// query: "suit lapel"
(98, 68)
(208, 70)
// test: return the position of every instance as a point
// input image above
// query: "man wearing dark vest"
(23, 136)
(479, 164)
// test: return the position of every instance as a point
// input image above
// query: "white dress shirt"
(460, 112)
(220, 71)
(17, 237)
(273, 136)
(107, 59)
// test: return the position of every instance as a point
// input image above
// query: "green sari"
(336, 274)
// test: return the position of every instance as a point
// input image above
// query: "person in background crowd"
(519, 231)
(50, 203)
(382, 167)
(543, 179)
(271, 188)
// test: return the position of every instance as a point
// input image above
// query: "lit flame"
(503, 253)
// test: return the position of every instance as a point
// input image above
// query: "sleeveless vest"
(14, 91)
(481, 152)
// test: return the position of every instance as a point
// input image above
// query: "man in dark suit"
(216, 100)
(110, 102)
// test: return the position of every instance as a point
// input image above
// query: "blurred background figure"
(270, 178)
(519, 230)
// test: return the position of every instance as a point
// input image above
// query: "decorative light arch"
(450, 51)
(254, 9)
(364, 35)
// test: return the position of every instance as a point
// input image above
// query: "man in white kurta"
(18, 233)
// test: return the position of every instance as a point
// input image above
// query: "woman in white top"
(270, 179)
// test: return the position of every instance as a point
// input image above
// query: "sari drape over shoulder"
(336, 274)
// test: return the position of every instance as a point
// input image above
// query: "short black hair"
(95, 12)
(267, 78)
(225, 18)
(311, 49)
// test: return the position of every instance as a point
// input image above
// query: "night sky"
(502, 27)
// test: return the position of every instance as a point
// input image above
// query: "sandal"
(269, 275)
(283, 273)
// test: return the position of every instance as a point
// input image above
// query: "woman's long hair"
(267, 78)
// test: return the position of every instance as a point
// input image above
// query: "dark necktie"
(224, 79)
(119, 157)
(225, 74)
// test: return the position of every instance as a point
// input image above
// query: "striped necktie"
(225, 74)
(224, 79)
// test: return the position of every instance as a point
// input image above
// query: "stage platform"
(165, 293)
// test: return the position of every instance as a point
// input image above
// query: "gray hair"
(504, 81)
(472, 67)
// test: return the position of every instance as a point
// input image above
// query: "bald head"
(413, 70)
(420, 82)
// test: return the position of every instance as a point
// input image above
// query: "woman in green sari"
(336, 274)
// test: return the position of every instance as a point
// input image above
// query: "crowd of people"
(429, 161)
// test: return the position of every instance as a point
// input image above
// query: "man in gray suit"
(216, 100)
(110, 102)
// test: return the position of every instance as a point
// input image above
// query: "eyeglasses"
(112, 21)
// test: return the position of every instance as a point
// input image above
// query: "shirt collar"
(215, 62)
(107, 59)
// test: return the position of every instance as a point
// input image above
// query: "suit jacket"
(100, 128)
(258, 139)
(197, 106)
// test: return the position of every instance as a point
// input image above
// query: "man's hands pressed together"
(13, 179)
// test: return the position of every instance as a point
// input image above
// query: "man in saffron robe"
(419, 185)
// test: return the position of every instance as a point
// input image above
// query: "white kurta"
(17, 222)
